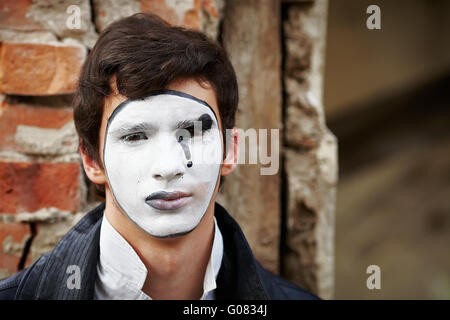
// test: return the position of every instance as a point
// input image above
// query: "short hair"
(146, 53)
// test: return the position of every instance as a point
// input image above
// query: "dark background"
(387, 101)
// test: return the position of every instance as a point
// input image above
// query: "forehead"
(166, 106)
(200, 90)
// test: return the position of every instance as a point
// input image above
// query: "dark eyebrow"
(135, 127)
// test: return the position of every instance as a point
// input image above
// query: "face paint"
(183, 140)
(154, 156)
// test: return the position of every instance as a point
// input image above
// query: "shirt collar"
(121, 273)
(214, 263)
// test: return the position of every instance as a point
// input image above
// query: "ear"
(93, 171)
(232, 145)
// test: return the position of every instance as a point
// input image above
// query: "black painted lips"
(164, 195)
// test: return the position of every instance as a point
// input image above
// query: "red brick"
(190, 19)
(28, 187)
(12, 116)
(106, 12)
(210, 7)
(10, 256)
(160, 8)
(13, 15)
(39, 69)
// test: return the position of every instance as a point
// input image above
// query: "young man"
(152, 110)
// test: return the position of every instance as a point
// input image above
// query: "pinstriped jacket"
(240, 275)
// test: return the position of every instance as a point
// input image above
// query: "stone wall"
(310, 152)
(277, 51)
(251, 36)
(43, 191)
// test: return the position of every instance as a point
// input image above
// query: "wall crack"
(27, 247)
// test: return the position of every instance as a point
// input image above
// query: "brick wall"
(288, 217)
(41, 180)
(43, 190)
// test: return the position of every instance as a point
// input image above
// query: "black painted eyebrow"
(204, 119)
(158, 92)
(184, 124)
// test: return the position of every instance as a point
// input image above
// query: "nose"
(169, 160)
(167, 175)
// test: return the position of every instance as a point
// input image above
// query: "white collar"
(121, 273)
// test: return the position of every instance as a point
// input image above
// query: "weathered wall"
(310, 152)
(42, 187)
(251, 36)
(43, 190)
(287, 217)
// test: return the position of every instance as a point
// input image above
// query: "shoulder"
(282, 289)
(8, 286)
(40, 281)
(238, 258)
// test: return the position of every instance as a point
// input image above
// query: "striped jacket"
(240, 275)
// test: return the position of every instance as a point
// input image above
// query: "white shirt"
(121, 273)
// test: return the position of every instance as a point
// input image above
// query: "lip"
(163, 200)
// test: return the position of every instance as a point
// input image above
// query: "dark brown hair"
(145, 53)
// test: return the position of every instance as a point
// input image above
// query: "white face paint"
(151, 158)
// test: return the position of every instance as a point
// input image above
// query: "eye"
(190, 129)
(187, 129)
(134, 137)
(206, 122)
(182, 136)
(205, 126)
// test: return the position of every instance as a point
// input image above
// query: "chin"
(168, 229)
(172, 235)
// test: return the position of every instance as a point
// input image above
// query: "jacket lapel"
(239, 277)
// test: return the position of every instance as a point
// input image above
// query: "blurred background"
(387, 99)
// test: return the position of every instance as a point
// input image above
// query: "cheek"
(205, 172)
(124, 168)
(207, 151)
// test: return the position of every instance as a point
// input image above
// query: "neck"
(176, 266)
